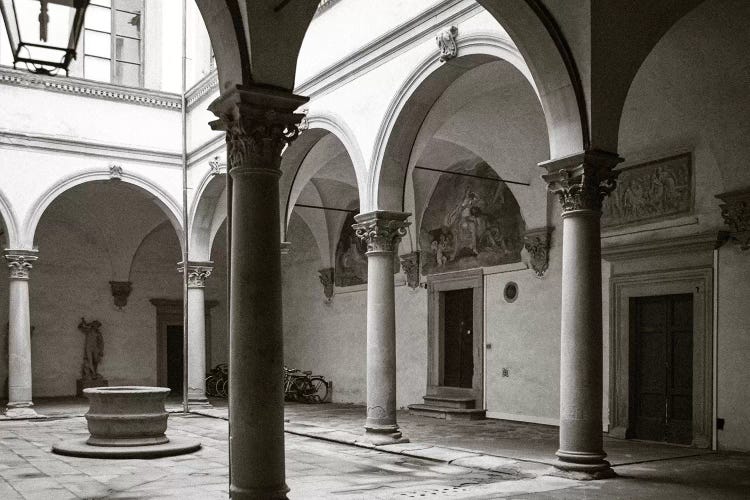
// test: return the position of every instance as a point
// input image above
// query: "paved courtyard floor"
(483, 460)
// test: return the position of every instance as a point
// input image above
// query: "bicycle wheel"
(317, 391)
(298, 389)
(224, 393)
(211, 386)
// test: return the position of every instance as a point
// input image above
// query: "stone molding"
(736, 214)
(583, 180)
(701, 242)
(537, 243)
(20, 263)
(446, 42)
(326, 276)
(202, 89)
(286, 247)
(120, 292)
(381, 230)
(87, 88)
(198, 272)
(259, 121)
(410, 265)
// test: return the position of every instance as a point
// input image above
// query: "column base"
(20, 410)
(199, 402)
(237, 493)
(382, 435)
(583, 466)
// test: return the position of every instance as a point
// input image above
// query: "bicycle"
(304, 387)
(217, 381)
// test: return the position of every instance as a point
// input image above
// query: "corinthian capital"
(259, 122)
(381, 230)
(735, 210)
(20, 263)
(197, 273)
(582, 181)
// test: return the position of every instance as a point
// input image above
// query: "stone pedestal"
(582, 182)
(382, 232)
(19, 335)
(259, 122)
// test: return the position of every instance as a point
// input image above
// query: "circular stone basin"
(126, 422)
(127, 416)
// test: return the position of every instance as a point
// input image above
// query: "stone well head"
(127, 415)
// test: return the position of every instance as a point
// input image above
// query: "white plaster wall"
(733, 338)
(216, 289)
(331, 338)
(69, 281)
(525, 338)
(74, 117)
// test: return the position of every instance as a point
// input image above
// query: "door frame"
(699, 283)
(437, 284)
(169, 313)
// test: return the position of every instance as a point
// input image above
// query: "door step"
(448, 408)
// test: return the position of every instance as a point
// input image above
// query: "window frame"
(113, 60)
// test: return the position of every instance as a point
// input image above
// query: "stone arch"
(294, 179)
(208, 214)
(246, 42)
(8, 222)
(162, 199)
(412, 104)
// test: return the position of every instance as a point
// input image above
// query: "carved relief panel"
(651, 191)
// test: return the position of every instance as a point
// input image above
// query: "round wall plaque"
(510, 293)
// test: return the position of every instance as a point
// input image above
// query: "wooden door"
(663, 368)
(458, 347)
(174, 359)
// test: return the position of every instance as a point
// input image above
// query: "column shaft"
(581, 343)
(196, 347)
(382, 231)
(19, 334)
(582, 182)
(259, 121)
(19, 346)
(381, 345)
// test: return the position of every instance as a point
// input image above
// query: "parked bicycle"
(304, 387)
(217, 381)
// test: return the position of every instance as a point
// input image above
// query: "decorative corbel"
(120, 292)
(537, 243)
(446, 42)
(326, 279)
(736, 214)
(410, 265)
(115, 172)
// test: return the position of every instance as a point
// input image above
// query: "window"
(113, 27)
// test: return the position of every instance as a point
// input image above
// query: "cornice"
(88, 88)
(201, 90)
(700, 242)
(41, 142)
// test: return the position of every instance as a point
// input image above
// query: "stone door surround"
(437, 284)
(695, 281)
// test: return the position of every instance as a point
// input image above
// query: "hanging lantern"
(43, 34)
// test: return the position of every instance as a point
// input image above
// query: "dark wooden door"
(458, 347)
(174, 359)
(663, 368)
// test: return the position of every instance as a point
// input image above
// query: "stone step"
(446, 412)
(450, 402)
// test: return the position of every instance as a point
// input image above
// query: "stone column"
(259, 122)
(197, 274)
(382, 232)
(19, 335)
(581, 182)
